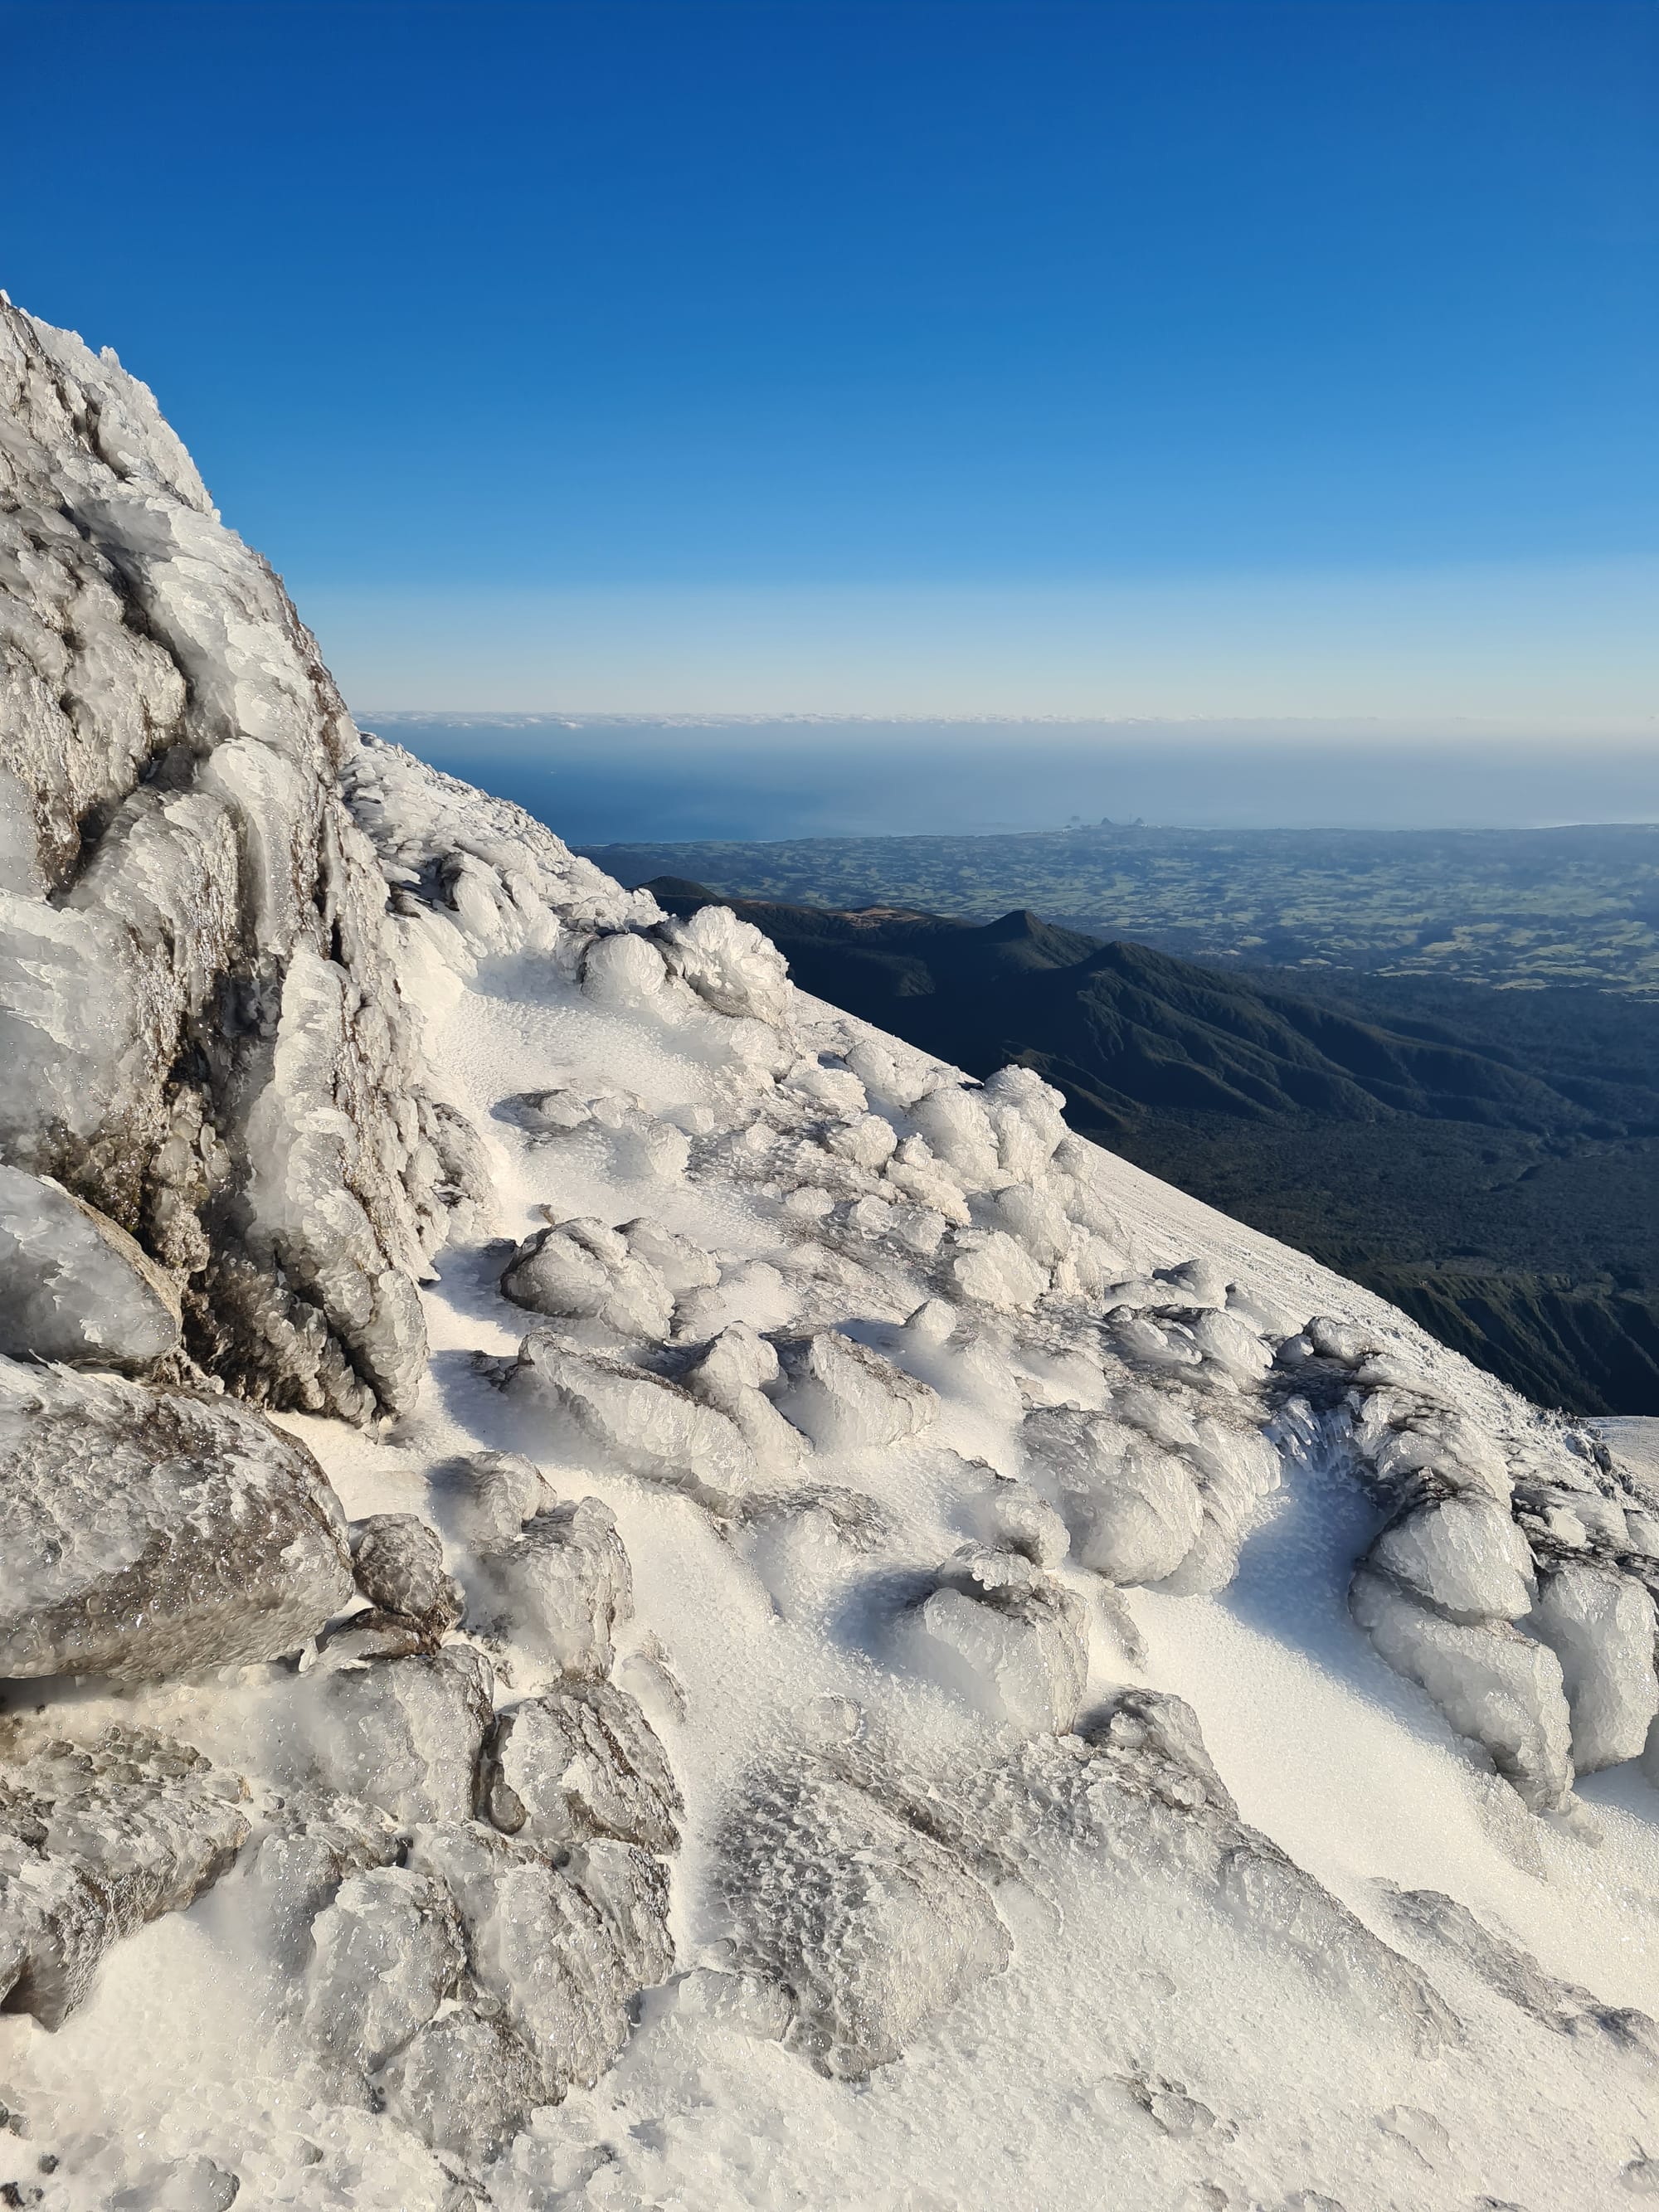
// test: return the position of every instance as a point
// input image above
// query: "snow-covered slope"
(872, 1656)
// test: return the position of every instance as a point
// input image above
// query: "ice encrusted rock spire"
(201, 1030)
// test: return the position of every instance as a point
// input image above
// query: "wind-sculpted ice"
(1512, 1580)
(153, 1532)
(1007, 1637)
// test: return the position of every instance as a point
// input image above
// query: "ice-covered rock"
(1463, 1555)
(74, 1285)
(1133, 1507)
(580, 1270)
(640, 1423)
(559, 1965)
(581, 1763)
(385, 1954)
(733, 1373)
(1600, 1624)
(626, 972)
(561, 1584)
(94, 1841)
(151, 1532)
(729, 965)
(205, 1036)
(1006, 1638)
(406, 1734)
(465, 2083)
(1494, 1685)
(682, 1264)
(872, 1927)
(488, 1496)
(845, 1396)
(991, 1268)
(315, 1840)
(398, 1560)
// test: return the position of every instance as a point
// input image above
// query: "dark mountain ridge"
(1480, 1172)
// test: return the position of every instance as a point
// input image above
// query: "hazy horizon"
(601, 778)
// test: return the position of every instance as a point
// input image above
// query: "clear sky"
(1185, 357)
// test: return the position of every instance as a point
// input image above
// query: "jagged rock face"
(201, 1032)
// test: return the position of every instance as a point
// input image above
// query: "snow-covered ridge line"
(831, 1679)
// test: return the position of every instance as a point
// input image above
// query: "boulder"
(641, 1423)
(1600, 1624)
(1006, 1638)
(465, 2085)
(1463, 1555)
(562, 1584)
(406, 1734)
(93, 1843)
(871, 1926)
(1133, 1505)
(154, 1532)
(579, 1763)
(398, 1562)
(1494, 1685)
(74, 1286)
(845, 1396)
(580, 1270)
(385, 1954)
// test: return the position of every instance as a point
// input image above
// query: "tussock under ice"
(862, 1653)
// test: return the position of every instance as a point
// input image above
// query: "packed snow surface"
(846, 1650)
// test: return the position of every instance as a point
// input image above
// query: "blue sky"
(1233, 358)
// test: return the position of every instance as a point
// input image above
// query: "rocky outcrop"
(201, 1030)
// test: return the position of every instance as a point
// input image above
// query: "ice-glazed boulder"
(558, 1964)
(581, 1763)
(560, 1585)
(398, 1562)
(1494, 1685)
(153, 1532)
(1463, 1555)
(1133, 1505)
(729, 965)
(580, 1270)
(465, 2084)
(871, 1926)
(94, 1841)
(385, 1954)
(75, 1287)
(640, 1423)
(844, 1396)
(406, 1734)
(1006, 1638)
(1600, 1624)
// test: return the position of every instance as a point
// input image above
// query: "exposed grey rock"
(579, 1763)
(74, 1285)
(1005, 1636)
(464, 2084)
(562, 1584)
(385, 1953)
(398, 1562)
(871, 1926)
(580, 1270)
(641, 1423)
(93, 1843)
(406, 1734)
(1494, 1685)
(844, 1396)
(1600, 1624)
(148, 1532)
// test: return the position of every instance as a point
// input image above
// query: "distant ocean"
(599, 780)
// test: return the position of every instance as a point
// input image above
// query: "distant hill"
(1493, 1177)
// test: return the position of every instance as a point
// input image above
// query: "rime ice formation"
(853, 1650)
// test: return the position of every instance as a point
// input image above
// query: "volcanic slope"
(1486, 1160)
(865, 1652)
